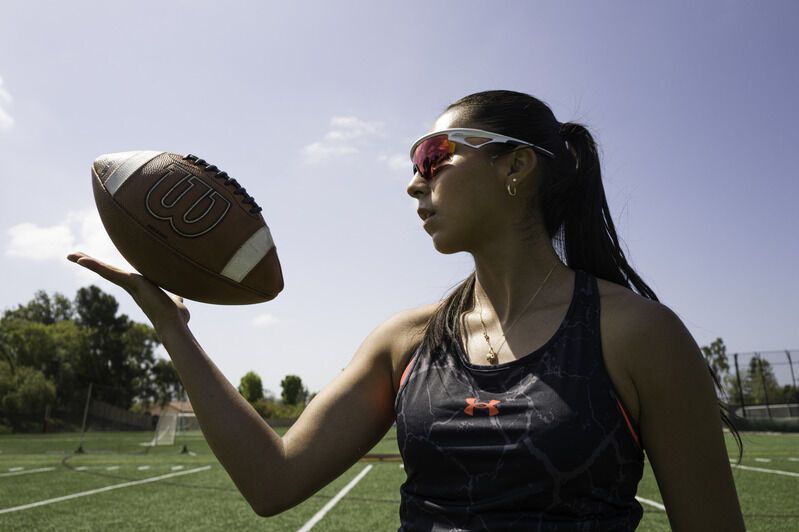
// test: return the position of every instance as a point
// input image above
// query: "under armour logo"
(473, 403)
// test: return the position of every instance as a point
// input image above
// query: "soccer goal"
(167, 427)
(171, 423)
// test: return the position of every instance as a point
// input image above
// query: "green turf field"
(195, 493)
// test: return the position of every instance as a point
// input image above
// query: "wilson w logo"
(190, 204)
(473, 403)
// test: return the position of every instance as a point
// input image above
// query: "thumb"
(184, 311)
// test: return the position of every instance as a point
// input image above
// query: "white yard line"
(764, 470)
(15, 473)
(177, 467)
(651, 503)
(143, 468)
(100, 490)
(332, 502)
(112, 468)
(762, 459)
(15, 469)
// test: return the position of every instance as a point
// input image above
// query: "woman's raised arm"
(340, 424)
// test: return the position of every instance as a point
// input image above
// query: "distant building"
(182, 407)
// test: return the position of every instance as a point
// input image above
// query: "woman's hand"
(161, 308)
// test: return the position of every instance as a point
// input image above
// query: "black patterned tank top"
(539, 443)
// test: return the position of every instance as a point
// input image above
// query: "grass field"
(110, 488)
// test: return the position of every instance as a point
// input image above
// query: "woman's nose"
(417, 186)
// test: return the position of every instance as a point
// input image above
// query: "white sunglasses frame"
(461, 135)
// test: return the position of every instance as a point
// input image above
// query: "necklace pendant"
(491, 357)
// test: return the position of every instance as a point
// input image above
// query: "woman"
(518, 405)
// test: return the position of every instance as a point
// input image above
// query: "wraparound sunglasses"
(434, 148)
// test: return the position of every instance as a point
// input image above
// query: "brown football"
(187, 226)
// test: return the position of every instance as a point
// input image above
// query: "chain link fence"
(761, 390)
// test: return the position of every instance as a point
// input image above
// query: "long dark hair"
(573, 206)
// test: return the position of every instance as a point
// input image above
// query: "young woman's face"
(465, 201)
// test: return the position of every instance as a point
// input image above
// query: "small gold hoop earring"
(512, 188)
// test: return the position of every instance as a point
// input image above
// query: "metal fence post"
(740, 388)
(80, 450)
(763, 381)
(795, 394)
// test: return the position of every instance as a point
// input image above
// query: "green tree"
(293, 392)
(28, 343)
(24, 394)
(120, 352)
(716, 357)
(7, 352)
(54, 349)
(760, 382)
(251, 387)
(752, 386)
(790, 394)
(70, 345)
(166, 381)
(139, 343)
(43, 309)
(270, 409)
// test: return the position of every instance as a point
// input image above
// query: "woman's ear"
(519, 163)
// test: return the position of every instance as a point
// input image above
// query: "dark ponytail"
(578, 205)
(573, 206)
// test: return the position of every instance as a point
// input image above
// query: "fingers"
(75, 255)
(115, 275)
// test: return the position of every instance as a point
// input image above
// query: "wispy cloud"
(6, 120)
(264, 320)
(79, 231)
(350, 135)
(320, 151)
(350, 127)
(344, 137)
(396, 162)
(30, 241)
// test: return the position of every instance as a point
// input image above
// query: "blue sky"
(312, 106)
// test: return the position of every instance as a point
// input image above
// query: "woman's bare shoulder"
(632, 322)
(626, 317)
(403, 333)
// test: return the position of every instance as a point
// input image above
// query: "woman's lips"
(423, 213)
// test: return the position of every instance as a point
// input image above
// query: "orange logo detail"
(473, 403)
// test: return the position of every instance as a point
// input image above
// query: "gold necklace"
(493, 356)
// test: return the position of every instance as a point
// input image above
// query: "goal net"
(187, 422)
(172, 422)
(167, 427)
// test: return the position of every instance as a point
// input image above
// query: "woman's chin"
(442, 245)
(444, 239)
